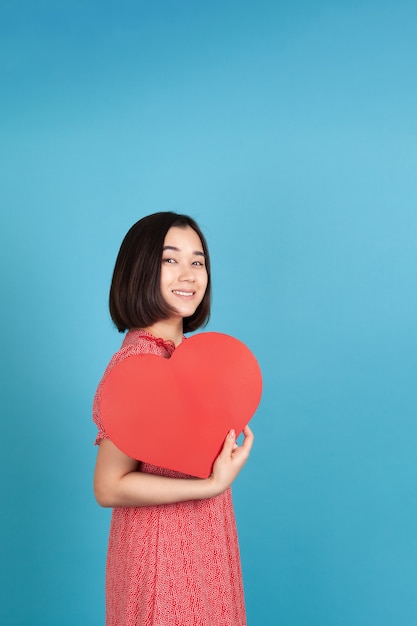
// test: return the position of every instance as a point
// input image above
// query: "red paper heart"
(175, 413)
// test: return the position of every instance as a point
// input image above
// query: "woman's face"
(183, 272)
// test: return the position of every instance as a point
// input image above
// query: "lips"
(188, 294)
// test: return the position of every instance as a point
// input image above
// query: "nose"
(186, 273)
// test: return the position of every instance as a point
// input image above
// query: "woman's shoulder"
(139, 341)
(135, 343)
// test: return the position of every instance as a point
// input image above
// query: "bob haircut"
(135, 295)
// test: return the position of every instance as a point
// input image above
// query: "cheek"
(165, 275)
(205, 283)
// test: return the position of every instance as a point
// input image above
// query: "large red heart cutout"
(175, 413)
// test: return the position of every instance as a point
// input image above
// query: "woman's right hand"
(231, 460)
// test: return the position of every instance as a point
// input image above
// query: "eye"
(168, 260)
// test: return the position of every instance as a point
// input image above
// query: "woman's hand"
(231, 460)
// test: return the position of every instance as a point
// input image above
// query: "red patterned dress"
(175, 564)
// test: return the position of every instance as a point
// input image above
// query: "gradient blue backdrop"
(288, 130)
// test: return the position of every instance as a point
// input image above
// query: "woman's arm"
(118, 483)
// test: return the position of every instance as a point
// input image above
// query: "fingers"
(249, 438)
(229, 442)
(231, 459)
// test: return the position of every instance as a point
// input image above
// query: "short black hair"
(135, 298)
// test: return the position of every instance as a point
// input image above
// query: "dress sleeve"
(122, 354)
(132, 346)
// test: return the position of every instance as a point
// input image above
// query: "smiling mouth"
(184, 293)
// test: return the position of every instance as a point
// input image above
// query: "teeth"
(184, 293)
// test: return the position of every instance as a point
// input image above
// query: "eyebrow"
(196, 252)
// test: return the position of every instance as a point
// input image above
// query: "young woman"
(173, 556)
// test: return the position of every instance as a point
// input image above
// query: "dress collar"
(133, 335)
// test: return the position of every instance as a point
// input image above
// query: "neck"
(170, 330)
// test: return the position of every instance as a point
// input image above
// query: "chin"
(185, 314)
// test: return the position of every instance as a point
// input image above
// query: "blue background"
(288, 130)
